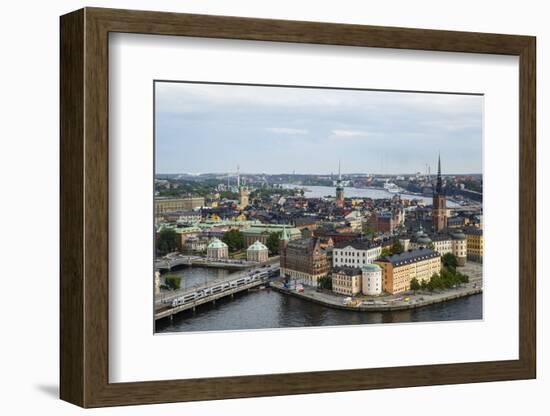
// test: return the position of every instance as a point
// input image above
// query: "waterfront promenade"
(401, 301)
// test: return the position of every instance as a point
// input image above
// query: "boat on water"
(391, 187)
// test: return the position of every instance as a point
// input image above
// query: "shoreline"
(336, 302)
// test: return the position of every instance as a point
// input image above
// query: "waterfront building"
(260, 232)
(303, 259)
(356, 253)
(474, 245)
(339, 189)
(371, 282)
(165, 205)
(217, 249)
(439, 205)
(399, 269)
(257, 252)
(346, 280)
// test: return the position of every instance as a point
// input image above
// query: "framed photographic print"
(255, 207)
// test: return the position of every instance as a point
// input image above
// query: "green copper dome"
(370, 268)
(216, 243)
(257, 246)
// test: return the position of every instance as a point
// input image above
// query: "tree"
(424, 284)
(325, 282)
(430, 245)
(172, 282)
(397, 247)
(234, 240)
(415, 285)
(272, 242)
(449, 260)
(167, 241)
(385, 252)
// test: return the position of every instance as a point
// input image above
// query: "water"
(267, 308)
(374, 193)
(196, 276)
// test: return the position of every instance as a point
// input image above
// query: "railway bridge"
(185, 300)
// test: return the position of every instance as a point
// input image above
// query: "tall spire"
(238, 178)
(284, 235)
(339, 172)
(439, 184)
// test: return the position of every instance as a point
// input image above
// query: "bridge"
(183, 300)
(167, 263)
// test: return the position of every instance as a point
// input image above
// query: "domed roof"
(424, 239)
(216, 243)
(420, 232)
(257, 246)
(372, 267)
(421, 237)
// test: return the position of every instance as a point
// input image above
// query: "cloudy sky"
(213, 128)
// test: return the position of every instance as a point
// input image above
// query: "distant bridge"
(168, 263)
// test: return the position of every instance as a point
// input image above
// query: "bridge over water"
(181, 260)
(213, 291)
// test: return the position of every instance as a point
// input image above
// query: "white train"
(222, 287)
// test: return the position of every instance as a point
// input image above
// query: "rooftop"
(216, 243)
(349, 271)
(357, 244)
(257, 246)
(411, 256)
(372, 267)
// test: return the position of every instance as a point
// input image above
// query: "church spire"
(439, 184)
(284, 235)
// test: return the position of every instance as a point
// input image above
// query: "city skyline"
(212, 128)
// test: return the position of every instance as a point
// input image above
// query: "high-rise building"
(339, 189)
(439, 206)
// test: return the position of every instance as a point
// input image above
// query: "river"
(264, 309)
(374, 193)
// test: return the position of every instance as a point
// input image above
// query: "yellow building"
(240, 217)
(399, 269)
(243, 197)
(474, 247)
(346, 280)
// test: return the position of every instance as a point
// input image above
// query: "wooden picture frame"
(84, 207)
